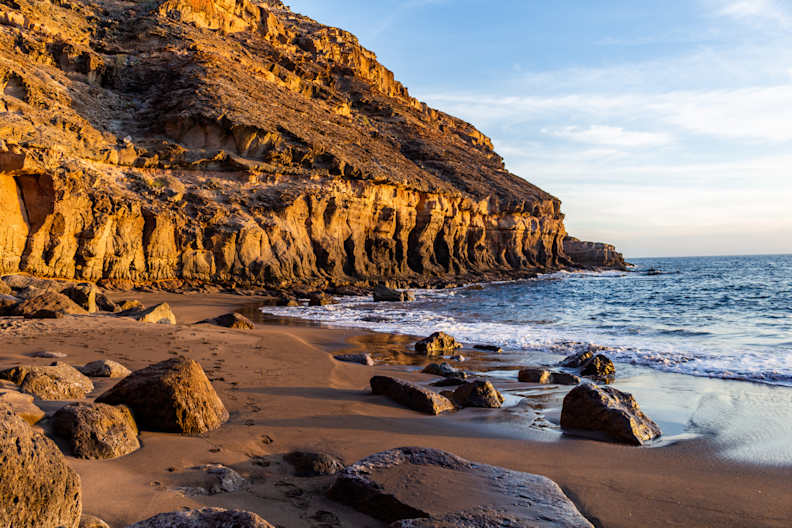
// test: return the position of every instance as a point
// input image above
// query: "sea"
(715, 317)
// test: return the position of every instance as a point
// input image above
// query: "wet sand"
(285, 392)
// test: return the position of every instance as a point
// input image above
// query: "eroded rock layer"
(236, 141)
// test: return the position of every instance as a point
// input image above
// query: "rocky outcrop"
(37, 488)
(97, 430)
(49, 305)
(436, 488)
(437, 344)
(129, 156)
(58, 381)
(205, 518)
(593, 254)
(411, 395)
(173, 396)
(609, 411)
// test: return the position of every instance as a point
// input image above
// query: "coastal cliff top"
(240, 86)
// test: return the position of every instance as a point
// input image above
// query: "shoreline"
(280, 383)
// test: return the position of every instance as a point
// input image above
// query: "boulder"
(434, 488)
(231, 320)
(37, 488)
(5, 289)
(489, 348)
(48, 354)
(362, 359)
(48, 305)
(160, 313)
(384, 294)
(313, 464)
(22, 405)
(577, 359)
(606, 410)
(83, 294)
(97, 430)
(214, 479)
(321, 299)
(599, 367)
(445, 370)
(204, 518)
(173, 396)
(59, 381)
(131, 305)
(411, 395)
(104, 303)
(478, 393)
(7, 304)
(104, 368)
(91, 521)
(437, 344)
(544, 376)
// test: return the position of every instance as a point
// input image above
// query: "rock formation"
(607, 410)
(172, 396)
(240, 143)
(205, 518)
(411, 395)
(401, 484)
(37, 488)
(59, 381)
(97, 430)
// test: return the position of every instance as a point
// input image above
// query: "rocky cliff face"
(236, 141)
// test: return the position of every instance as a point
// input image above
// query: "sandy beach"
(285, 392)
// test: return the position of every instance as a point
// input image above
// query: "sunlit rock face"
(236, 141)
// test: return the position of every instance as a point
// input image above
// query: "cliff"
(234, 141)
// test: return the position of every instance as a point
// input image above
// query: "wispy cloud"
(763, 11)
(608, 136)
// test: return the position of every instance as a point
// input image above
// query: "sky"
(665, 127)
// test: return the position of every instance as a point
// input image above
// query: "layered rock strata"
(241, 143)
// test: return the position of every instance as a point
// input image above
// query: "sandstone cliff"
(235, 141)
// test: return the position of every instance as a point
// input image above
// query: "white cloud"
(608, 136)
(757, 10)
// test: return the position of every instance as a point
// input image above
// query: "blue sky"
(664, 127)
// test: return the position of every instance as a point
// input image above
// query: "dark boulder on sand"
(37, 488)
(411, 395)
(97, 430)
(437, 344)
(415, 486)
(204, 518)
(607, 410)
(47, 305)
(173, 396)
(478, 393)
(313, 464)
(104, 368)
(445, 370)
(231, 320)
(361, 359)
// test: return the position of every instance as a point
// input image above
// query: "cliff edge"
(234, 141)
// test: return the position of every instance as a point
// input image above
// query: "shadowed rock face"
(240, 142)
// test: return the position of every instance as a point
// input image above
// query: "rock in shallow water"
(385, 294)
(435, 488)
(173, 396)
(437, 344)
(37, 488)
(544, 376)
(411, 395)
(478, 393)
(607, 410)
(96, 430)
(205, 518)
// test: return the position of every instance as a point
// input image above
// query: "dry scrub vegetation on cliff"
(236, 141)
